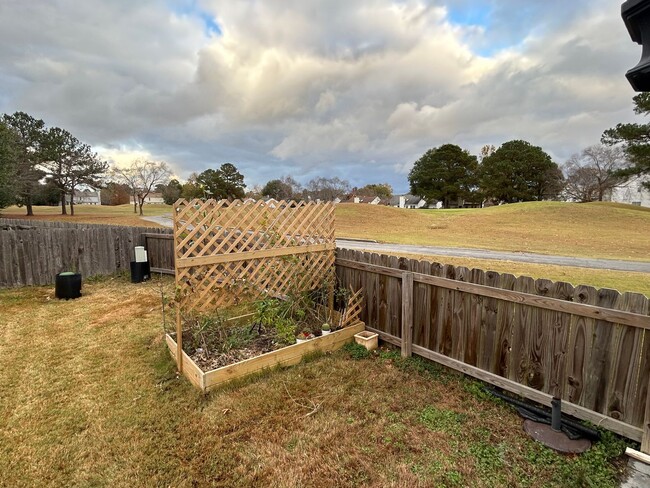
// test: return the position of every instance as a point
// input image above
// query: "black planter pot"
(139, 272)
(68, 285)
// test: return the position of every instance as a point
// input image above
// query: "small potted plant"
(303, 337)
(325, 328)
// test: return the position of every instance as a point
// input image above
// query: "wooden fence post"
(645, 441)
(179, 339)
(407, 314)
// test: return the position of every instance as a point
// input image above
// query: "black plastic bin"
(68, 285)
(139, 272)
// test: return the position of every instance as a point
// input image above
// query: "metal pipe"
(586, 431)
(556, 414)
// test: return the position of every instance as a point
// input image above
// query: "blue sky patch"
(190, 8)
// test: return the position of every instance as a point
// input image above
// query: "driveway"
(523, 257)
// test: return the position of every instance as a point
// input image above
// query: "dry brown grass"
(92, 214)
(89, 397)
(601, 230)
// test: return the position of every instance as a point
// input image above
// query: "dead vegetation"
(90, 397)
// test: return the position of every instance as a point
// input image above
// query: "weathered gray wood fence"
(32, 252)
(535, 338)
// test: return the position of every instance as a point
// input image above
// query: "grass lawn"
(598, 278)
(90, 397)
(92, 214)
(602, 230)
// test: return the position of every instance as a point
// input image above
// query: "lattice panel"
(227, 252)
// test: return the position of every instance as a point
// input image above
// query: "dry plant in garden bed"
(250, 330)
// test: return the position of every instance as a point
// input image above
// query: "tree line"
(518, 172)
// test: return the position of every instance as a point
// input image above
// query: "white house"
(85, 197)
(632, 192)
(151, 198)
(408, 201)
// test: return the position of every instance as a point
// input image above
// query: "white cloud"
(317, 87)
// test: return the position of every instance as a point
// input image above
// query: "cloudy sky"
(354, 89)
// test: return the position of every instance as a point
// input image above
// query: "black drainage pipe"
(586, 432)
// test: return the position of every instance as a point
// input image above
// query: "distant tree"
(446, 173)
(9, 155)
(381, 190)
(234, 181)
(69, 163)
(486, 151)
(519, 172)
(327, 189)
(26, 173)
(635, 140)
(47, 194)
(171, 191)
(115, 194)
(277, 189)
(225, 182)
(591, 174)
(191, 188)
(255, 192)
(142, 176)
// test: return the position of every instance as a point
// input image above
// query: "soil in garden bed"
(229, 345)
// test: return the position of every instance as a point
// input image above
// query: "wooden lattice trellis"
(227, 252)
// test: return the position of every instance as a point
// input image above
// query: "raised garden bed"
(286, 356)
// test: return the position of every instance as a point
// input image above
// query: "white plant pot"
(325, 332)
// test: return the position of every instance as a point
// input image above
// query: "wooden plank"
(489, 323)
(395, 298)
(625, 356)
(446, 319)
(191, 371)
(599, 367)
(407, 313)
(474, 337)
(556, 357)
(504, 326)
(600, 313)
(421, 307)
(645, 441)
(383, 317)
(247, 255)
(638, 409)
(581, 338)
(460, 316)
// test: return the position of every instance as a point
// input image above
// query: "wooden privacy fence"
(32, 252)
(535, 338)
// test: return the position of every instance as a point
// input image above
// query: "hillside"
(603, 230)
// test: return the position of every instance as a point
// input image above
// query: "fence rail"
(535, 338)
(32, 252)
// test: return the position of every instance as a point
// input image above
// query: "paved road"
(523, 257)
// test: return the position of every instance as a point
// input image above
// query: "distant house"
(85, 197)
(367, 200)
(151, 198)
(408, 201)
(632, 192)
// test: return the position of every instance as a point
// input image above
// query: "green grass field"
(89, 397)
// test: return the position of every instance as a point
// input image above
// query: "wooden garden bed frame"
(231, 252)
(286, 356)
